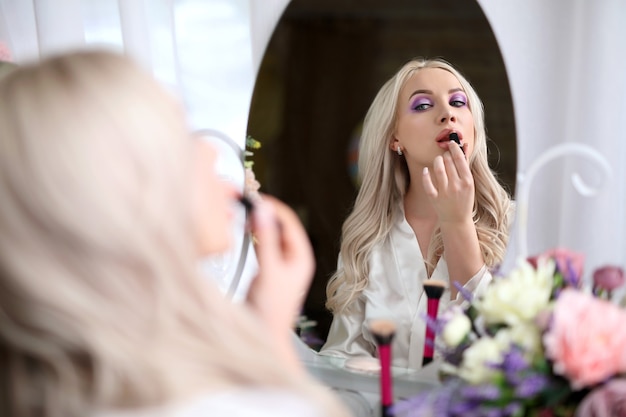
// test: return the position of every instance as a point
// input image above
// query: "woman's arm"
(453, 199)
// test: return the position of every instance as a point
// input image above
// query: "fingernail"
(425, 171)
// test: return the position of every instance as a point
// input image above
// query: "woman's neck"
(416, 203)
(421, 216)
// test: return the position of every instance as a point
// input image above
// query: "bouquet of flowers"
(537, 343)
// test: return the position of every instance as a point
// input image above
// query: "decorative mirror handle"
(525, 183)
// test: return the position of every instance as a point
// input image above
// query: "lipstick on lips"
(454, 137)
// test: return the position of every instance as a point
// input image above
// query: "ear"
(394, 143)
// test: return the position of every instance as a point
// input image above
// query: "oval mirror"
(322, 67)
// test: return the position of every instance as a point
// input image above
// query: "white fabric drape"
(200, 49)
(565, 59)
(566, 63)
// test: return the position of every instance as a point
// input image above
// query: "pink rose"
(587, 339)
(608, 400)
(608, 278)
(569, 264)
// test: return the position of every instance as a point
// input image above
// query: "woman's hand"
(451, 186)
(452, 195)
(286, 265)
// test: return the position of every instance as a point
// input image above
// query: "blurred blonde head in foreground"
(101, 306)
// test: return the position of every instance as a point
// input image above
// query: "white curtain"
(200, 49)
(566, 63)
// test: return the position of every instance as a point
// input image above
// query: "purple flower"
(436, 325)
(512, 409)
(485, 392)
(608, 400)
(514, 360)
(568, 263)
(464, 291)
(530, 386)
(608, 278)
(513, 364)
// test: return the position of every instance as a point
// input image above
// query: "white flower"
(518, 297)
(475, 367)
(456, 329)
(525, 335)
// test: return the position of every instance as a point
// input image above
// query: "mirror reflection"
(322, 68)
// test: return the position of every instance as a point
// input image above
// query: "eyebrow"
(454, 90)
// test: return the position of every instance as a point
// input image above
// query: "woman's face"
(213, 203)
(431, 105)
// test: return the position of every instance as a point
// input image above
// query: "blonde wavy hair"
(101, 304)
(385, 179)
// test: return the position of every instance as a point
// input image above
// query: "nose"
(447, 115)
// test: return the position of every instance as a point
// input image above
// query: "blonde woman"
(106, 204)
(427, 209)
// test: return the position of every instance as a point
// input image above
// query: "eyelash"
(418, 106)
(457, 102)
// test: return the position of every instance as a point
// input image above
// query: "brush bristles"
(383, 330)
(434, 288)
(246, 202)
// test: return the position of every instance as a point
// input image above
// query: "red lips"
(444, 135)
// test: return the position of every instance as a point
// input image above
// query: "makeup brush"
(434, 290)
(454, 137)
(383, 332)
(246, 203)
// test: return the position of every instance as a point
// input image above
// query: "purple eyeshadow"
(419, 101)
(459, 97)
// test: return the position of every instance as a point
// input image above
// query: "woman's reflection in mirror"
(427, 208)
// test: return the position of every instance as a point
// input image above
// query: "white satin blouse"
(395, 292)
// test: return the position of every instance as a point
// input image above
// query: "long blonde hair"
(385, 179)
(101, 305)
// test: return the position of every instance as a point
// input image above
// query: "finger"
(451, 170)
(427, 182)
(441, 178)
(265, 229)
(281, 235)
(460, 160)
(294, 240)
